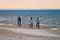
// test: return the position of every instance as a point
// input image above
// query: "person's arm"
(17, 19)
(36, 20)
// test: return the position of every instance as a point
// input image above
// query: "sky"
(29, 4)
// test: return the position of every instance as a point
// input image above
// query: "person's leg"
(17, 22)
(31, 25)
(38, 25)
(20, 23)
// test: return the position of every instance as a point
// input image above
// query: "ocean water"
(47, 17)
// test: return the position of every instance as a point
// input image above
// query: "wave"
(45, 21)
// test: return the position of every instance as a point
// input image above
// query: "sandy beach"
(14, 32)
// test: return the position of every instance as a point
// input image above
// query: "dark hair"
(31, 17)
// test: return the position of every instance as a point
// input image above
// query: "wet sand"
(10, 35)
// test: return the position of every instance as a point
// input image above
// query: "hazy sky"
(29, 4)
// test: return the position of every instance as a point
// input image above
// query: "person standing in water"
(37, 22)
(31, 22)
(19, 21)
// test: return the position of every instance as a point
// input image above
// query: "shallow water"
(47, 17)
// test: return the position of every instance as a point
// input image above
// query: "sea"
(49, 18)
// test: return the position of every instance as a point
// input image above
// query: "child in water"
(31, 22)
(37, 22)
(19, 21)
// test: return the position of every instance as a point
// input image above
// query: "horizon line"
(31, 9)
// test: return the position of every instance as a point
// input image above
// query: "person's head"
(19, 16)
(37, 17)
(31, 18)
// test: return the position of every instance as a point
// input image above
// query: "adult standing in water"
(37, 22)
(31, 22)
(19, 20)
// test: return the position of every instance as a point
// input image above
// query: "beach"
(14, 32)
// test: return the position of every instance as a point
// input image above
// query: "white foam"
(6, 24)
(2, 24)
(36, 32)
(54, 29)
(25, 20)
(10, 24)
(3, 18)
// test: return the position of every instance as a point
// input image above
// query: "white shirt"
(37, 20)
(31, 21)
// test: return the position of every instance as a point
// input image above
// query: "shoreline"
(28, 27)
(25, 26)
(7, 34)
